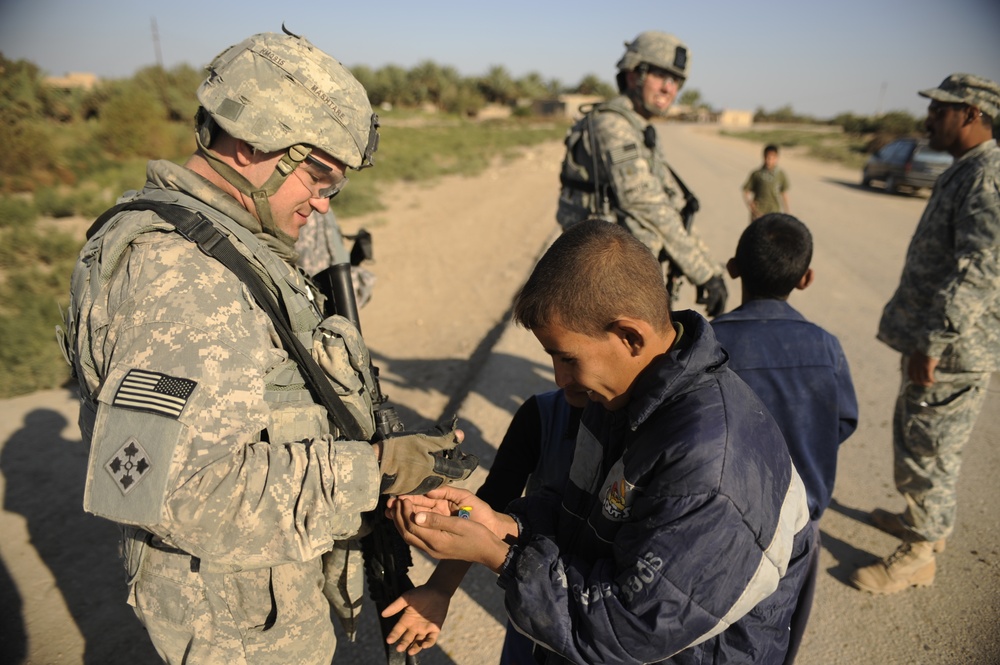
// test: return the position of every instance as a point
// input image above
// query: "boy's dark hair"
(770, 147)
(593, 274)
(773, 254)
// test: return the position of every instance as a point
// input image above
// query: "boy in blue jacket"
(682, 533)
(796, 368)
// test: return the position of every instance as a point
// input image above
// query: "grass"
(827, 144)
(36, 260)
(429, 148)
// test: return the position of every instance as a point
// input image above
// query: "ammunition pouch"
(338, 348)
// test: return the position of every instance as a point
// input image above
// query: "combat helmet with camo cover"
(656, 49)
(279, 92)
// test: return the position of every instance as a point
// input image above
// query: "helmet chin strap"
(294, 156)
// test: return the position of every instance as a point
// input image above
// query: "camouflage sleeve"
(652, 213)
(973, 288)
(189, 357)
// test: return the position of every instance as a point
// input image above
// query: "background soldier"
(209, 442)
(615, 170)
(321, 243)
(945, 320)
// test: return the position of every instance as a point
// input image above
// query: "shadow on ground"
(44, 475)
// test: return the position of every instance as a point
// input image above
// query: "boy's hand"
(446, 537)
(424, 611)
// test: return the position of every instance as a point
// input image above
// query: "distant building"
(567, 106)
(736, 118)
(494, 112)
(72, 80)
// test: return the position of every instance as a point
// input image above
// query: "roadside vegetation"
(70, 152)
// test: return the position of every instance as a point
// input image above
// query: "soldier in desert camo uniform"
(945, 321)
(238, 494)
(616, 169)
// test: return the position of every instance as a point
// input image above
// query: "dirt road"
(448, 259)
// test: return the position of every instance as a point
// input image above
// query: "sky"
(864, 57)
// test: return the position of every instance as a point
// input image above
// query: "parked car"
(906, 163)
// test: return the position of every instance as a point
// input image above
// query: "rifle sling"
(195, 227)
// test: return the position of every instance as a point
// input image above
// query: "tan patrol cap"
(969, 89)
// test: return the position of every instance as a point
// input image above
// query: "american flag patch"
(623, 153)
(153, 392)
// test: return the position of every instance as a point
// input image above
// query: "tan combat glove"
(417, 462)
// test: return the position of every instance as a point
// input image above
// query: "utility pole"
(881, 100)
(156, 43)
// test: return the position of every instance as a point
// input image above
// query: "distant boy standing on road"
(682, 533)
(766, 189)
(796, 368)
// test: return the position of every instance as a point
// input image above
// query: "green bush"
(133, 122)
(29, 358)
(36, 268)
(50, 201)
(16, 212)
(26, 157)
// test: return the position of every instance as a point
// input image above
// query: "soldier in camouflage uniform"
(945, 320)
(238, 494)
(615, 169)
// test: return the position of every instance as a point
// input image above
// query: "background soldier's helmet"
(658, 49)
(274, 91)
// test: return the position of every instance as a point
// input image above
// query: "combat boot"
(912, 564)
(895, 524)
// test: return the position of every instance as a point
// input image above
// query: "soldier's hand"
(712, 294)
(920, 369)
(417, 462)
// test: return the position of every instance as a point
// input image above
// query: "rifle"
(386, 556)
(691, 206)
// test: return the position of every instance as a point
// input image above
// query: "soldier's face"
(659, 89)
(944, 125)
(300, 194)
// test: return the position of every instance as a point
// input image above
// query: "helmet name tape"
(272, 56)
(304, 81)
(325, 98)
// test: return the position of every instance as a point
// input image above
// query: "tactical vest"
(587, 190)
(335, 343)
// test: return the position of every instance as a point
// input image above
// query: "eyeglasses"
(320, 179)
(661, 73)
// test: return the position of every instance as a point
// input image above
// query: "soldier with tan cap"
(238, 481)
(615, 170)
(945, 321)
